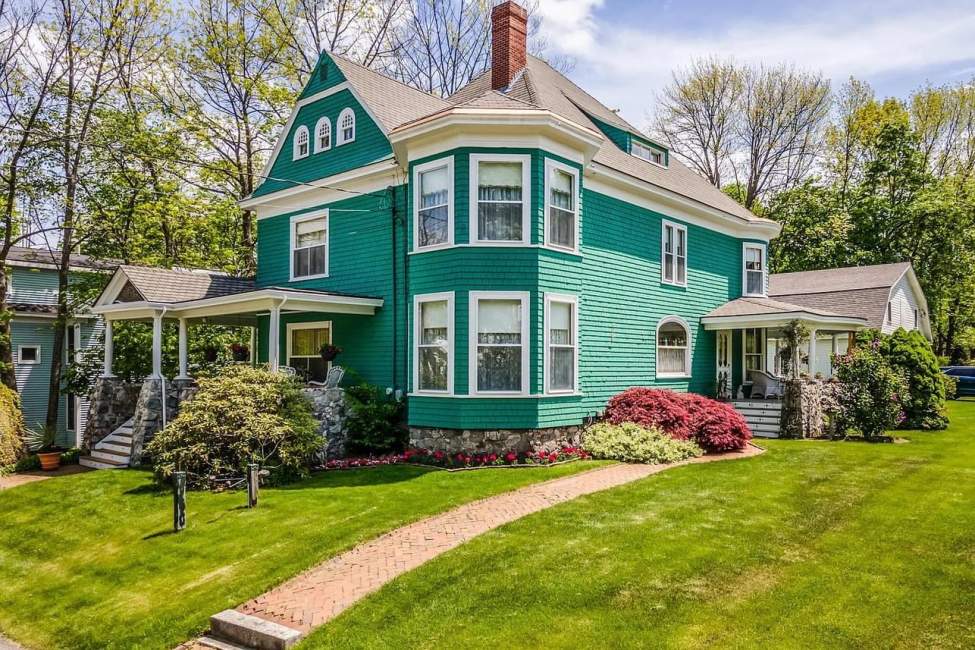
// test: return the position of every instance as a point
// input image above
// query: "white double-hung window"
(433, 204)
(300, 146)
(346, 125)
(673, 348)
(755, 269)
(561, 206)
(323, 135)
(500, 197)
(498, 342)
(309, 246)
(673, 254)
(561, 344)
(433, 335)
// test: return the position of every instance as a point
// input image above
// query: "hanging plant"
(329, 352)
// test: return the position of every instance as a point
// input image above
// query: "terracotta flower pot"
(50, 460)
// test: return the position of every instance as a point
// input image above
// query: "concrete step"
(777, 406)
(122, 448)
(252, 632)
(93, 463)
(762, 419)
(108, 456)
(217, 644)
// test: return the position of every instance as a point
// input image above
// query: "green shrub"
(238, 416)
(912, 355)
(12, 447)
(870, 398)
(633, 443)
(375, 421)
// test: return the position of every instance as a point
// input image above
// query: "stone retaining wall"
(329, 408)
(148, 418)
(494, 441)
(113, 402)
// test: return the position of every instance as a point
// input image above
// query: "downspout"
(392, 239)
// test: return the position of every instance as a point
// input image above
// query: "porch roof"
(140, 293)
(767, 312)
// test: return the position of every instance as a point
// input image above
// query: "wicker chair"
(765, 385)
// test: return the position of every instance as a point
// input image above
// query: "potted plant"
(240, 352)
(329, 352)
(43, 444)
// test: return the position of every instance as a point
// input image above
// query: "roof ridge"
(384, 76)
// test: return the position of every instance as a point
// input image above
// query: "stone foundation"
(113, 402)
(494, 441)
(329, 408)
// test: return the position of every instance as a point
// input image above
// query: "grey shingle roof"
(47, 256)
(842, 279)
(392, 102)
(542, 86)
(172, 285)
(770, 307)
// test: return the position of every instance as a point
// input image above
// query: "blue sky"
(624, 51)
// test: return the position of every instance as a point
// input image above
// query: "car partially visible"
(965, 375)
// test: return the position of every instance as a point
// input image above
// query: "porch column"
(273, 339)
(157, 330)
(183, 365)
(109, 349)
(812, 352)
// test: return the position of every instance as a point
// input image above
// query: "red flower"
(511, 457)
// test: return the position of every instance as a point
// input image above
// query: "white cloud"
(624, 66)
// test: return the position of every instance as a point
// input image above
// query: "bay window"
(561, 344)
(433, 212)
(499, 342)
(309, 246)
(673, 254)
(500, 196)
(673, 348)
(433, 337)
(755, 268)
(562, 214)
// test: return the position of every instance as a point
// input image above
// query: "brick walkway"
(318, 595)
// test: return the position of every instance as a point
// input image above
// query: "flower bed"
(440, 459)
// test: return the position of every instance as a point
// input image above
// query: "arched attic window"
(346, 124)
(300, 143)
(673, 348)
(323, 135)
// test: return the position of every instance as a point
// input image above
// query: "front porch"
(288, 328)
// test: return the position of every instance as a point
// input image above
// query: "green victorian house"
(507, 259)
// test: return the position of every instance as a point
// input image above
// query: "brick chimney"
(509, 43)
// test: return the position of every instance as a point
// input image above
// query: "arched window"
(346, 126)
(323, 135)
(673, 348)
(301, 143)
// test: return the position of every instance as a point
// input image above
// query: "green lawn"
(89, 561)
(812, 544)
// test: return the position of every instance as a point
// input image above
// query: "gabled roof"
(392, 102)
(768, 307)
(860, 290)
(541, 86)
(177, 285)
(842, 279)
(47, 258)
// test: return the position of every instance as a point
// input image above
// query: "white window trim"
(687, 352)
(744, 271)
(419, 300)
(526, 163)
(652, 150)
(294, 143)
(550, 166)
(417, 170)
(314, 325)
(473, 299)
(20, 355)
(295, 220)
(331, 136)
(340, 136)
(663, 253)
(574, 301)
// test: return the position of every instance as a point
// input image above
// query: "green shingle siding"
(623, 138)
(33, 379)
(35, 286)
(360, 263)
(319, 82)
(369, 146)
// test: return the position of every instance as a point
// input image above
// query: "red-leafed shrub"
(713, 425)
(651, 407)
(716, 426)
